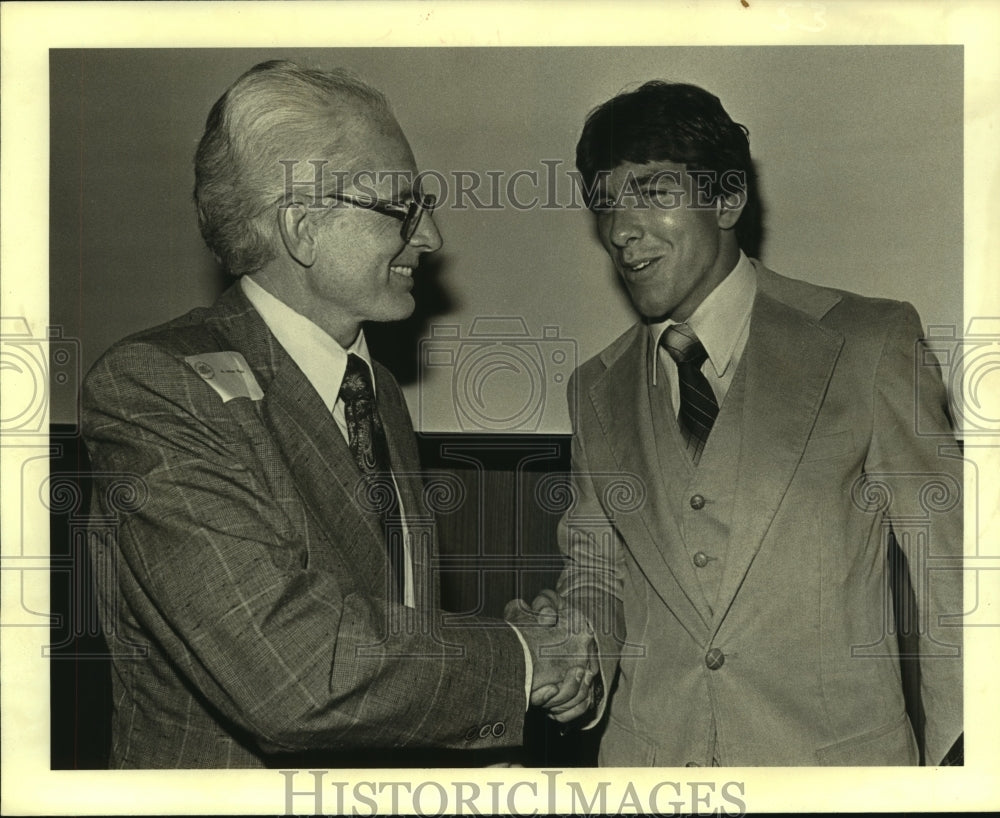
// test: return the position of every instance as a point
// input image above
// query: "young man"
(768, 423)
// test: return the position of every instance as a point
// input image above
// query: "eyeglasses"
(409, 213)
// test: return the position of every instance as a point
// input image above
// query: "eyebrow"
(672, 175)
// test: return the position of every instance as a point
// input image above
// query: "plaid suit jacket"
(253, 581)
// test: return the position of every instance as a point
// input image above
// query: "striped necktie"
(698, 405)
(368, 443)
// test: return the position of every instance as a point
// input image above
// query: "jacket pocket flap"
(891, 744)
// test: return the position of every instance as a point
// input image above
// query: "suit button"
(692, 764)
(715, 659)
(472, 733)
(486, 731)
(697, 502)
(700, 559)
(499, 729)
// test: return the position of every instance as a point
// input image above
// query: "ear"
(298, 232)
(729, 207)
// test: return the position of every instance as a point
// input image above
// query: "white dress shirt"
(722, 324)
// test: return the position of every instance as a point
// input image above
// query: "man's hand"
(570, 700)
(563, 654)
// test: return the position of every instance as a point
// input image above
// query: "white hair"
(276, 111)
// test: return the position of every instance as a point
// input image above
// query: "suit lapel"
(624, 389)
(306, 435)
(317, 455)
(789, 359)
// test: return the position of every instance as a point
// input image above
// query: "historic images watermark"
(545, 792)
(552, 186)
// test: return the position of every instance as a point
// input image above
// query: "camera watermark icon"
(970, 366)
(503, 379)
(38, 372)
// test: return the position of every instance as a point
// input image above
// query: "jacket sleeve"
(916, 465)
(213, 569)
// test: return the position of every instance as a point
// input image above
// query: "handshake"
(563, 655)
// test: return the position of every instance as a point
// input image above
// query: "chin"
(653, 311)
(401, 309)
(648, 305)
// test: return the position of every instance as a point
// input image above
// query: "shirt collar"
(321, 359)
(719, 319)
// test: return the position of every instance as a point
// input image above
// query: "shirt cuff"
(600, 689)
(529, 668)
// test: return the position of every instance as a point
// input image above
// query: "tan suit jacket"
(252, 581)
(796, 661)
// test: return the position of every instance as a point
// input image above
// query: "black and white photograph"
(421, 417)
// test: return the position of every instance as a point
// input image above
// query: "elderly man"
(278, 566)
(767, 424)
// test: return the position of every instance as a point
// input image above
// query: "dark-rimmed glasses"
(409, 213)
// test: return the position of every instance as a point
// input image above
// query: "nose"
(624, 226)
(427, 238)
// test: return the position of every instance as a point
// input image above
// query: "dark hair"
(675, 122)
(276, 110)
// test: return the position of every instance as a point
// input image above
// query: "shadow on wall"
(750, 228)
(397, 345)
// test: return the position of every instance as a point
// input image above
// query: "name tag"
(227, 373)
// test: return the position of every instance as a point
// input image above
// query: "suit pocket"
(829, 446)
(623, 747)
(891, 744)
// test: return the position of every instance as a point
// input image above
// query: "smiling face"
(362, 270)
(670, 246)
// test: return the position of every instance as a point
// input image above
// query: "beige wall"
(858, 150)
